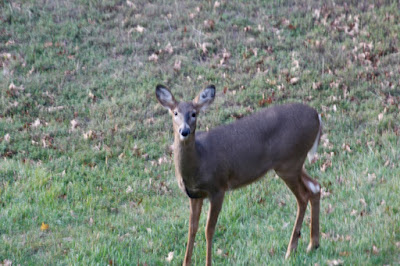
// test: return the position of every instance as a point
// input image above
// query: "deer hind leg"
(195, 210)
(315, 190)
(215, 208)
(302, 194)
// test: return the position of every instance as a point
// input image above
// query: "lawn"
(86, 171)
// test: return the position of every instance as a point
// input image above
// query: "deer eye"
(175, 113)
(193, 114)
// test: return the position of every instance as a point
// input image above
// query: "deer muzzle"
(184, 132)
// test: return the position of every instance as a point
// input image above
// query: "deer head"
(184, 114)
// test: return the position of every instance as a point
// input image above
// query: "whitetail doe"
(207, 164)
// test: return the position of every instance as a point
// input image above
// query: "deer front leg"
(215, 207)
(195, 210)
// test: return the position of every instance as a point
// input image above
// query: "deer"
(227, 157)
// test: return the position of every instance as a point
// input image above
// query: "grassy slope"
(112, 197)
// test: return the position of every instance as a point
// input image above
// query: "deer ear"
(165, 97)
(205, 98)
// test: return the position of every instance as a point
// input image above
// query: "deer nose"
(184, 132)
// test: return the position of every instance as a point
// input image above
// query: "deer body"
(207, 164)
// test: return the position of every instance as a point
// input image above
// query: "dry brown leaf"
(335, 262)
(129, 190)
(375, 250)
(346, 147)
(170, 256)
(7, 137)
(74, 124)
(204, 46)
(177, 65)
(48, 44)
(247, 29)
(294, 80)
(6, 262)
(363, 202)
(88, 135)
(130, 4)
(192, 15)
(325, 165)
(139, 29)
(169, 48)
(36, 123)
(209, 24)
(153, 58)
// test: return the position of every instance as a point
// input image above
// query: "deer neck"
(186, 158)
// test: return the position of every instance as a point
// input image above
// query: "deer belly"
(247, 175)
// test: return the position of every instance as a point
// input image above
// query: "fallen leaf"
(335, 262)
(130, 4)
(139, 29)
(170, 256)
(129, 190)
(375, 250)
(380, 117)
(209, 24)
(88, 135)
(169, 48)
(44, 227)
(177, 65)
(204, 46)
(346, 147)
(7, 138)
(14, 89)
(74, 124)
(294, 80)
(362, 201)
(153, 58)
(36, 123)
(48, 44)
(325, 165)
(6, 262)
(247, 29)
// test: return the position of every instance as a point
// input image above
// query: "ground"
(86, 173)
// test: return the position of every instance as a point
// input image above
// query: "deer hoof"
(312, 246)
(289, 253)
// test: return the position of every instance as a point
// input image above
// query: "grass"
(84, 145)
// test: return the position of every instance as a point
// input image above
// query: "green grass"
(108, 198)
